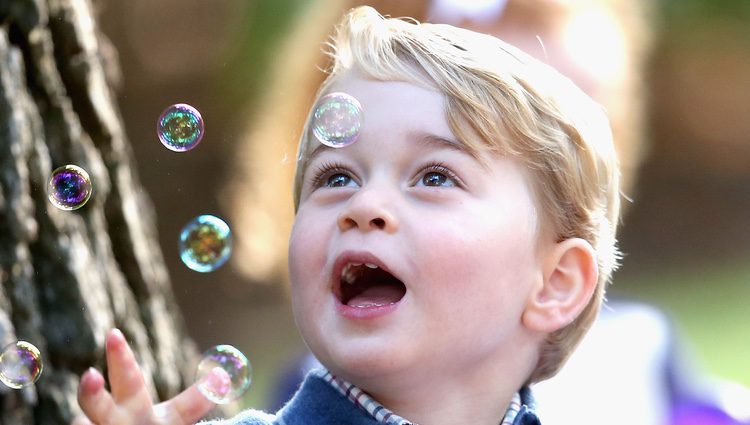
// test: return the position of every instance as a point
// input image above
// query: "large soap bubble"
(205, 243)
(337, 120)
(69, 187)
(20, 364)
(180, 127)
(224, 374)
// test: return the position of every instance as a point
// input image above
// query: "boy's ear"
(569, 279)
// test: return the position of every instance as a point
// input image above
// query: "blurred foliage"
(709, 307)
(268, 22)
(685, 11)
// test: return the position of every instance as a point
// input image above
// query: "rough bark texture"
(68, 276)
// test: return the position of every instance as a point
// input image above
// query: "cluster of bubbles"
(180, 127)
(69, 187)
(205, 243)
(337, 120)
(20, 364)
(224, 374)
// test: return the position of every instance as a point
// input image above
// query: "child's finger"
(190, 405)
(94, 400)
(125, 377)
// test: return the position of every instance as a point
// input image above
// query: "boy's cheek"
(307, 254)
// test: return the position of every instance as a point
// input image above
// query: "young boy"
(452, 255)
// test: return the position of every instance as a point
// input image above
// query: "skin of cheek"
(474, 283)
(307, 262)
(311, 235)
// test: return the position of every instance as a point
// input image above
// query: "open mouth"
(367, 285)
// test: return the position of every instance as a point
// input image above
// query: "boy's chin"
(354, 363)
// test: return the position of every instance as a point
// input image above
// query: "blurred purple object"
(697, 413)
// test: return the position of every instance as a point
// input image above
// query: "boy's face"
(458, 241)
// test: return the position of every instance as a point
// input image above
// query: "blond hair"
(501, 100)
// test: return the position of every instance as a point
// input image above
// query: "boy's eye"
(437, 175)
(337, 180)
(331, 175)
(434, 179)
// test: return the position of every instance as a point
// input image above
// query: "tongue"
(377, 296)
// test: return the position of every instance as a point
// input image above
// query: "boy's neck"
(479, 396)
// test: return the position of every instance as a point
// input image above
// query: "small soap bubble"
(224, 374)
(205, 243)
(69, 187)
(337, 120)
(180, 127)
(20, 364)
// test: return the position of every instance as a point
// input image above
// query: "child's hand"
(129, 403)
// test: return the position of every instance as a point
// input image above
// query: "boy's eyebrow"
(438, 141)
(425, 139)
(432, 140)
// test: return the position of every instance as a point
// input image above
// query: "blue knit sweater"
(318, 403)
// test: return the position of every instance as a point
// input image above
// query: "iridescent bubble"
(337, 120)
(69, 187)
(205, 243)
(20, 364)
(224, 374)
(180, 127)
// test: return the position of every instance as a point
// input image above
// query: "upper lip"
(352, 256)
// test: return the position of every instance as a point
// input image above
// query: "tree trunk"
(66, 277)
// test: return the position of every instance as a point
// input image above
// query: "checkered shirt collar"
(385, 416)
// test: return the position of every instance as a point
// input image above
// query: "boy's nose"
(368, 211)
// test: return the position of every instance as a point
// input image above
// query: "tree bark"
(66, 277)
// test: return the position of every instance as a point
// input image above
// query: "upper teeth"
(349, 273)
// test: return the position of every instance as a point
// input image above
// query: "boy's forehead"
(417, 113)
(384, 107)
(396, 105)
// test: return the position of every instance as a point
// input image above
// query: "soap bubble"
(337, 120)
(20, 364)
(180, 127)
(205, 243)
(224, 374)
(69, 187)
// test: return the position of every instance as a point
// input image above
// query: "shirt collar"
(385, 416)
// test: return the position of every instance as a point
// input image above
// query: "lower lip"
(364, 313)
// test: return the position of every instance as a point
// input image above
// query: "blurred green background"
(709, 305)
(686, 234)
